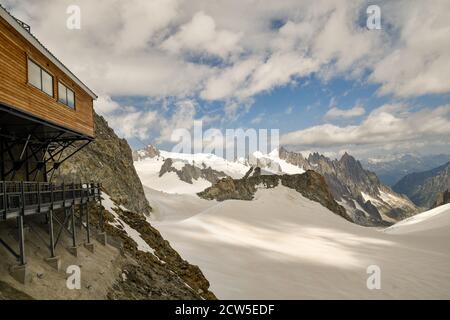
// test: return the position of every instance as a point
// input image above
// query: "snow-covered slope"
(149, 169)
(365, 199)
(282, 245)
(437, 220)
(271, 162)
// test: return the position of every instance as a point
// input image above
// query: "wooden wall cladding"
(15, 90)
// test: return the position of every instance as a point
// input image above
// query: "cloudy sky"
(309, 68)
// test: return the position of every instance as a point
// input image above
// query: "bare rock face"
(162, 275)
(424, 188)
(442, 198)
(148, 152)
(108, 159)
(347, 180)
(190, 172)
(310, 184)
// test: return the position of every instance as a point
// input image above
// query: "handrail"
(22, 195)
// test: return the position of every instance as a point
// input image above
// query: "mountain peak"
(150, 151)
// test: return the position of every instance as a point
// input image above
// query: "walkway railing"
(21, 199)
(36, 197)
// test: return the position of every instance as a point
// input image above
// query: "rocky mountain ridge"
(149, 151)
(367, 200)
(309, 184)
(442, 198)
(189, 172)
(424, 187)
(391, 168)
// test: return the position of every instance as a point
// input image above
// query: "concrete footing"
(20, 274)
(73, 251)
(89, 246)
(54, 262)
(102, 238)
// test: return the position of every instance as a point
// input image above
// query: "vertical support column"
(81, 212)
(50, 224)
(74, 230)
(22, 259)
(88, 228)
(96, 191)
(72, 214)
(88, 245)
(101, 237)
(50, 231)
(19, 272)
(53, 261)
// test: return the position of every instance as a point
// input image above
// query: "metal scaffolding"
(31, 151)
(19, 200)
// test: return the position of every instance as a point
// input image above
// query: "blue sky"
(311, 69)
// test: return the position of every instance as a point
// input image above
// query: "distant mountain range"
(391, 168)
(423, 188)
(366, 200)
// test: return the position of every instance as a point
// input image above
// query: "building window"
(66, 96)
(40, 78)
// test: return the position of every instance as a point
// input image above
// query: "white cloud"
(201, 35)
(105, 105)
(143, 48)
(150, 48)
(132, 123)
(335, 112)
(226, 82)
(419, 61)
(258, 119)
(386, 125)
(182, 118)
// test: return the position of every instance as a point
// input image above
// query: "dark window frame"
(41, 69)
(67, 89)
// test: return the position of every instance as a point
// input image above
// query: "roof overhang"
(39, 46)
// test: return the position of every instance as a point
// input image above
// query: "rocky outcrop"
(309, 184)
(148, 152)
(162, 274)
(442, 198)
(423, 188)
(349, 181)
(159, 275)
(189, 172)
(108, 159)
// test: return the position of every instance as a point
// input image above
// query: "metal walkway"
(21, 199)
(32, 198)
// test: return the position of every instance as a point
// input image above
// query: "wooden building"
(46, 116)
(44, 108)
